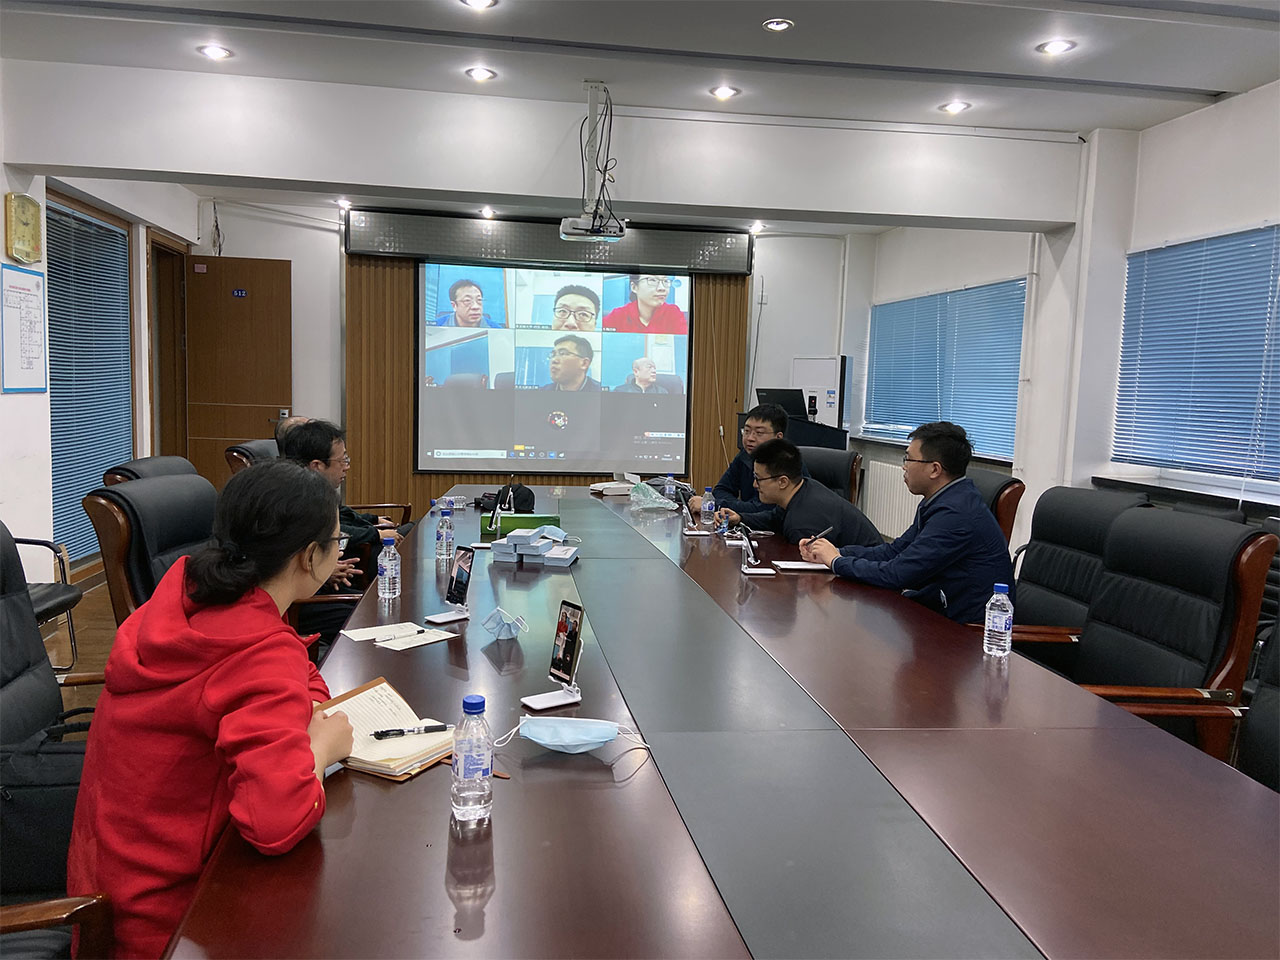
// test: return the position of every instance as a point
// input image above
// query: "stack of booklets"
(559, 556)
(533, 550)
(377, 706)
(504, 551)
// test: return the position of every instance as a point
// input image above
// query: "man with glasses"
(736, 489)
(954, 552)
(804, 507)
(467, 301)
(648, 311)
(576, 308)
(570, 360)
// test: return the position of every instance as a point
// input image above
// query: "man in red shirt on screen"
(648, 311)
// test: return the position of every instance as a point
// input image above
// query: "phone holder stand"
(760, 571)
(694, 532)
(460, 611)
(566, 695)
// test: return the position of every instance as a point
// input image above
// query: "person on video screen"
(467, 302)
(570, 360)
(643, 379)
(576, 308)
(648, 311)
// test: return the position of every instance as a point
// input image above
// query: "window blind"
(1199, 382)
(90, 373)
(948, 356)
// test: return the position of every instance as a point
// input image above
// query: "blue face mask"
(569, 734)
(552, 532)
(503, 625)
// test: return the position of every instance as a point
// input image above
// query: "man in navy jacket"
(953, 553)
(736, 490)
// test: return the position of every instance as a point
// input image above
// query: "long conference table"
(834, 772)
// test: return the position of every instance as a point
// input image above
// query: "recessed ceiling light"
(215, 52)
(344, 203)
(757, 227)
(954, 107)
(1054, 47)
(778, 24)
(480, 4)
(724, 93)
(480, 74)
(487, 212)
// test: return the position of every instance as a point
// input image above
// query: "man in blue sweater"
(953, 553)
(736, 490)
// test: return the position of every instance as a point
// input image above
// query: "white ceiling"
(878, 61)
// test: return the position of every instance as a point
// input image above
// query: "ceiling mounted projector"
(591, 230)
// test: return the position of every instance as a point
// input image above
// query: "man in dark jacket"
(736, 490)
(797, 507)
(953, 553)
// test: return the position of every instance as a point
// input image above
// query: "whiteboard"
(24, 336)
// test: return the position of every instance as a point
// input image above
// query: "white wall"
(801, 276)
(257, 130)
(1211, 172)
(915, 262)
(167, 206)
(855, 335)
(309, 238)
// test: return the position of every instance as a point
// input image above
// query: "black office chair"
(1270, 614)
(247, 452)
(143, 527)
(1062, 561)
(37, 826)
(1172, 618)
(1001, 493)
(504, 381)
(53, 600)
(671, 383)
(837, 470)
(1258, 754)
(1234, 514)
(148, 467)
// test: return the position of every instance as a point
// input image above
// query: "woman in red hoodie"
(208, 715)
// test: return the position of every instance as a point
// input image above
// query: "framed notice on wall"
(24, 335)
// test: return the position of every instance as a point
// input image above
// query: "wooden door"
(239, 355)
(169, 352)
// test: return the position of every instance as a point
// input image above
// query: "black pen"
(817, 536)
(405, 731)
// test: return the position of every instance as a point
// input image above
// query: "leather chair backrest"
(168, 518)
(1063, 559)
(257, 450)
(830, 467)
(671, 383)
(504, 381)
(1001, 493)
(1259, 754)
(149, 467)
(1271, 592)
(30, 698)
(1165, 605)
(1234, 514)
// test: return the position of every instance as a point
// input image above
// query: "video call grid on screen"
(556, 371)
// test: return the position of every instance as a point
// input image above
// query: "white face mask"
(503, 625)
(569, 734)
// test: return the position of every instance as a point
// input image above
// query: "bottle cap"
(473, 703)
(1002, 588)
(388, 541)
(446, 512)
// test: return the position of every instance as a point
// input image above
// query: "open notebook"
(377, 706)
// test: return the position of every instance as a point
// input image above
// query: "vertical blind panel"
(90, 372)
(948, 356)
(1199, 383)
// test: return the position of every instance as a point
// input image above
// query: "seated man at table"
(736, 488)
(953, 553)
(797, 507)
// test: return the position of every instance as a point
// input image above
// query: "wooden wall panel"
(381, 370)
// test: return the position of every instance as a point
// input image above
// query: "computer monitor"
(790, 399)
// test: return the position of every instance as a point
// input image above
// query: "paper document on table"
(377, 706)
(381, 631)
(801, 566)
(416, 640)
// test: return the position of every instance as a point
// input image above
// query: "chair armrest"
(1162, 694)
(296, 607)
(58, 550)
(384, 509)
(1211, 711)
(92, 914)
(80, 679)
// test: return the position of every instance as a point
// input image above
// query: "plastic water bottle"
(708, 508)
(669, 488)
(444, 535)
(997, 633)
(472, 790)
(388, 570)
